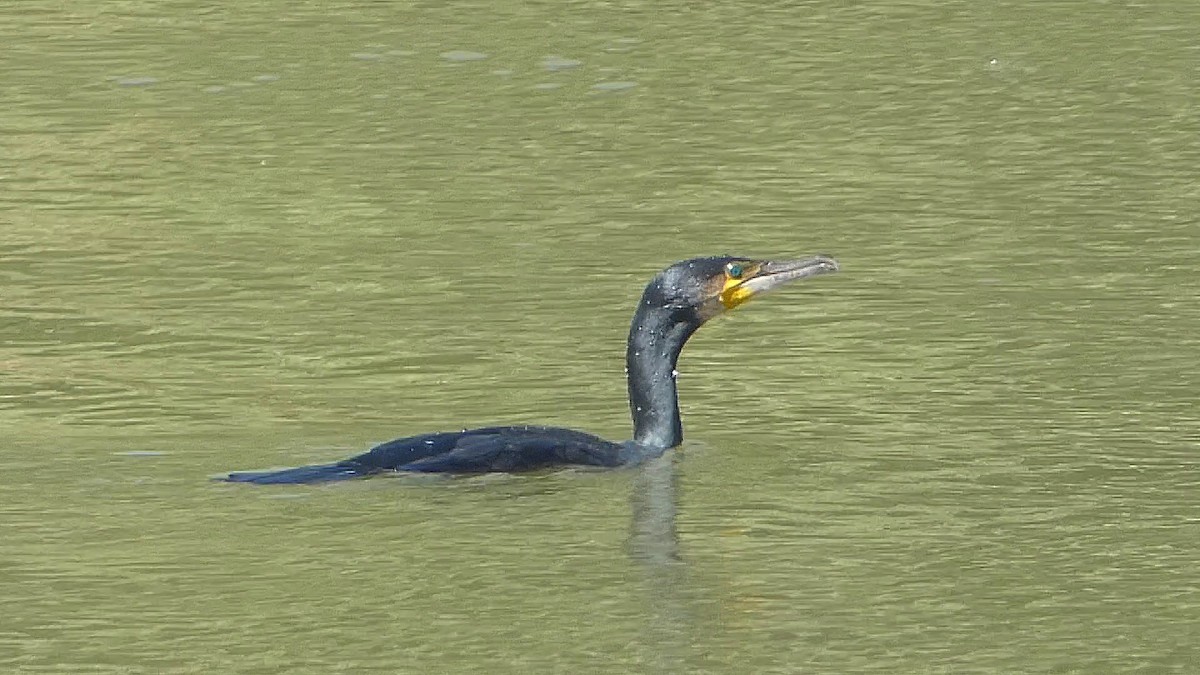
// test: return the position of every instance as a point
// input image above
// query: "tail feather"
(315, 473)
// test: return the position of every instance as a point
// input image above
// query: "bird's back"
(508, 449)
(490, 449)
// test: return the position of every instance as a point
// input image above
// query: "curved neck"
(655, 340)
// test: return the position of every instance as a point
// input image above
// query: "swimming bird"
(676, 302)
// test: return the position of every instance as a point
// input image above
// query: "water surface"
(275, 236)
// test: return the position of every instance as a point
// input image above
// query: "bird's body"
(675, 303)
(491, 449)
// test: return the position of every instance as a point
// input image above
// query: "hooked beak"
(772, 274)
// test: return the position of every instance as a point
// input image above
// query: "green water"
(250, 236)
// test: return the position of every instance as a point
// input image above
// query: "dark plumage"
(676, 302)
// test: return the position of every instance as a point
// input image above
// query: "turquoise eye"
(734, 270)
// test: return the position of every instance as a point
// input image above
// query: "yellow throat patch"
(735, 293)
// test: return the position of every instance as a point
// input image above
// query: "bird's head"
(708, 287)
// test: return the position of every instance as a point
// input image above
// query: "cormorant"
(676, 302)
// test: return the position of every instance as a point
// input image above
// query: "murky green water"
(244, 237)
